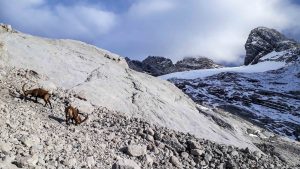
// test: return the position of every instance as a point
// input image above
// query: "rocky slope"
(95, 77)
(157, 65)
(34, 136)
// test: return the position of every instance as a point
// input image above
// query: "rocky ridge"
(157, 65)
(262, 41)
(33, 136)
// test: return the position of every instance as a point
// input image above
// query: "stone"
(29, 141)
(90, 161)
(231, 164)
(5, 147)
(125, 164)
(136, 150)
(234, 153)
(70, 162)
(158, 136)
(194, 145)
(257, 154)
(175, 161)
(207, 157)
(149, 138)
(150, 131)
(174, 143)
(185, 155)
(197, 152)
(148, 160)
(33, 160)
(202, 163)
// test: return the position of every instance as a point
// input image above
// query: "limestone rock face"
(192, 63)
(262, 41)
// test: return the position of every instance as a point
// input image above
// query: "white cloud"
(80, 21)
(172, 28)
(150, 8)
(216, 29)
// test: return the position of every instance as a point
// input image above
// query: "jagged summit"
(262, 41)
(158, 65)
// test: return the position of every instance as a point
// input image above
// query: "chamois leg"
(67, 119)
(50, 104)
(47, 100)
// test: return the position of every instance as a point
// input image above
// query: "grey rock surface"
(262, 41)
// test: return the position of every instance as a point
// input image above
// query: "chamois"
(38, 93)
(73, 115)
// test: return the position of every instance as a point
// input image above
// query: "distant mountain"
(157, 65)
(266, 93)
(262, 41)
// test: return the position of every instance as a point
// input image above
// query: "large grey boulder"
(136, 150)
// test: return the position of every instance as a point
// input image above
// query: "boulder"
(125, 164)
(136, 150)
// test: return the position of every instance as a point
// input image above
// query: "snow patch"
(193, 74)
(274, 55)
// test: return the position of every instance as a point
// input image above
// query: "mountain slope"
(33, 136)
(265, 93)
(104, 79)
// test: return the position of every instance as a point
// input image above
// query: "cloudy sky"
(216, 29)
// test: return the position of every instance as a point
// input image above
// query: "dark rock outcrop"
(157, 65)
(191, 63)
(262, 41)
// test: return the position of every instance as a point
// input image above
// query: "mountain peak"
(158, 65)
(262, 41)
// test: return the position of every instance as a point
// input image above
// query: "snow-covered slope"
(267, 93)
(269, 99)
(104, 79)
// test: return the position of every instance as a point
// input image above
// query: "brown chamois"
(37, 93)
(73, 115)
